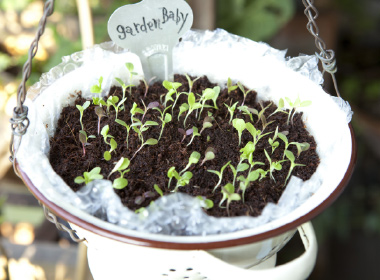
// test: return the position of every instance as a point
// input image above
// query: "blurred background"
(348, 232)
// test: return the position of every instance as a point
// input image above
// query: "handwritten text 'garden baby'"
(146, 26)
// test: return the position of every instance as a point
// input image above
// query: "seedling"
(291, 158)
(121, 166)
(207, 123)
(147, 85)
(301, 147)
(256, 133)
(248, 111)
(274, 165)
(228, 192)
(134, 111)
(104, 133)
(143, 127)
(185, 133)
(100, 113)
(123, 86)
(113, 146)
(263, 173)
(191, 82)
(150, 106)
(240, 168)
(260, 115)
(158, 190)
(294, 105)
(84, 139)
(150, 142)
(280, 108)
(181, 180)
(209, 94)
(283, 137)
(245, 93)
(219, 174)
(81, 111)
(231, 110)
(131, 69)
(274, 144)
(205, 203)
(230, 87)
(165, 118)
(247, 151)
(97, 89)
(172, 88)
(195, 133)
(112, 142)
(182, 109)
(88, 177)
(245, 182)
(209, 155)
(239, 125)
(192, 106)
(172, 173)
(194, 158)
(114, 102)
(127, 127)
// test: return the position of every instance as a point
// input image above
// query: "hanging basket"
(215, 256)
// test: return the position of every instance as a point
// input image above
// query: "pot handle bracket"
(327, 57)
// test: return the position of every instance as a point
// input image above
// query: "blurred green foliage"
(259, 20)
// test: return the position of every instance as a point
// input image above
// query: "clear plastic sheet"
(218, 55)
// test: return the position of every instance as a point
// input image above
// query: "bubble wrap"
(218, 55)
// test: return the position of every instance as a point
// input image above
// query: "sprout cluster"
(199, 107)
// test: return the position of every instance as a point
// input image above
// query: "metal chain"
(53, 219)
(19, 121)
(327, 57)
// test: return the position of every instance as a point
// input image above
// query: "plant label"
(150, 29)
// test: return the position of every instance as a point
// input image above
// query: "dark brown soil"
(151, 164)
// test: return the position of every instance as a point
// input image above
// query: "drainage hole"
(189, 269)
(172, 269)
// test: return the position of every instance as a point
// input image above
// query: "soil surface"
(151, 164)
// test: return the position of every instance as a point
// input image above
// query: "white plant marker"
(150, 29)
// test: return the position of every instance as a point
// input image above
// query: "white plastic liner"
(218, 55)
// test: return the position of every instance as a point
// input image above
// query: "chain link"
(19, 121)
(53, 219)
(327, 57)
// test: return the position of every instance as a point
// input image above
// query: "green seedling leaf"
(230, 86)
(207, 123)
(239, 125)
(191, 82)
(301, 147)
(195, 133)
(219, 174)
(120, 183)
(122, 164)
(291, 158)
(158, 190)
(209, 155)
(107, 155)
(205, 203)
(194, 159)
(231, 110)
(88, 177)
(228, 192)
(183, 108)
